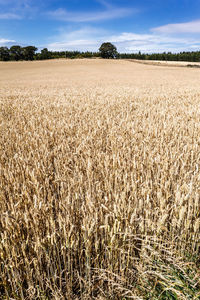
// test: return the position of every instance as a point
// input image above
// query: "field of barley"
(99, 181)
(167, 63)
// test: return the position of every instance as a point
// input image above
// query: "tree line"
(17, 53)
(193, 56)
(107, 50)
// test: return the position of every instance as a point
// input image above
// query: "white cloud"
(4, 42)
(5, 2)
(86, 38)
(131, 42)
(17, 9)
(188, 27)
(89, 38)
(108, 13)
(9, 16)
(15, 3)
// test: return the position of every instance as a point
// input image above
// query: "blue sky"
(132, 25)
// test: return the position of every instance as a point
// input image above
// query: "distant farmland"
(168, 63)
(99, 180)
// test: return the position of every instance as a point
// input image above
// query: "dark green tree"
(16, 53)
(29, 52)
(45, 54)
(108, 50)
(4, 54)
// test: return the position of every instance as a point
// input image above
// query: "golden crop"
(99, 180)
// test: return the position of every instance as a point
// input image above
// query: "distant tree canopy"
(108, 50)
(4, 54)
(16, 53)
(29, 52)
(45, 54)
(193, 56)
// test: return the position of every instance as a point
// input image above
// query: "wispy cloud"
(132, 42)
(14, 3)
(10, 16)
(5, 2)
(4, 42)
(188, 27)
(89, 38)
(109, 12)
(104, 3)
(85, 38)
(17, 10)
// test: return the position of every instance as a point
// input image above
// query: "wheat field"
(99, 180)
(167, 63)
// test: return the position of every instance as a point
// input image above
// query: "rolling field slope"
(99, 180)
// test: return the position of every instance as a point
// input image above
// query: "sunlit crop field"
(99, 180)
(168, 63)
